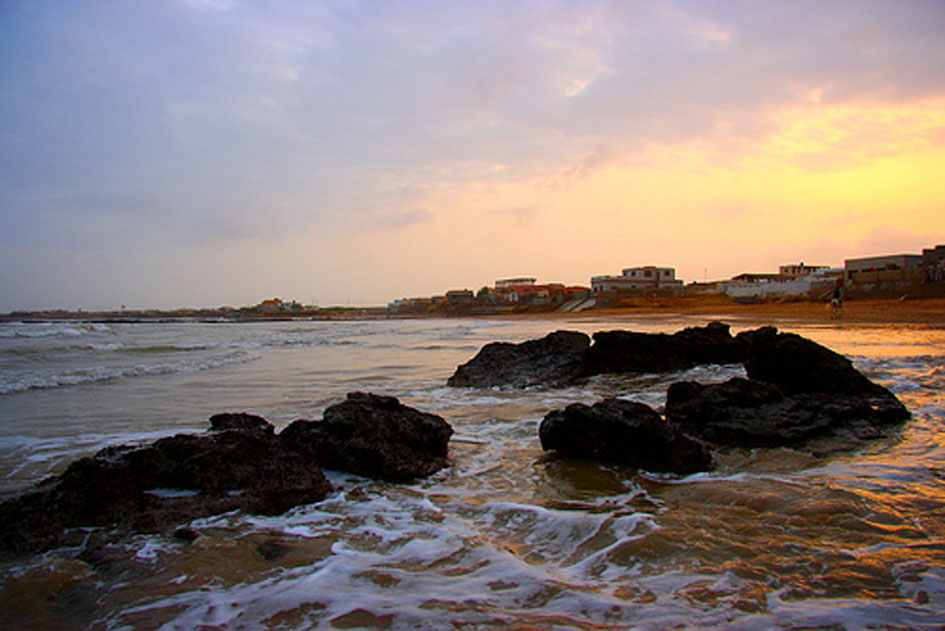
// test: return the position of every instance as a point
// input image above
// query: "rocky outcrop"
(797, 390)
(153, 487)
(558, 359)
(239, 464)
(796, 364)
(631, 352)
(567, 357)
(373, 436)
(622, 431)
(746, 413)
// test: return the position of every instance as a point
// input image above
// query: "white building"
(514, 282)
(800, 269)
(648, 277)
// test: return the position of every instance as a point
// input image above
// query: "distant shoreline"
(927, 312)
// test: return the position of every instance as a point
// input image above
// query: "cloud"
(205, 122)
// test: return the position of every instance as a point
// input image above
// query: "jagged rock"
(555, 360)
(631, 352)
(742, 412)
(153, 487)
(796, 364)
(373, 436)
(622, 431)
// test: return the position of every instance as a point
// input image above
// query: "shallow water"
(506, 537)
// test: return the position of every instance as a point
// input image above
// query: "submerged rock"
(153, 487)
(555, 360)
(373, 436)
(622, 431)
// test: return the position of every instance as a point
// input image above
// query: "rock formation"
(374, 436)
(239, 464)
(797, 390)
(746, 413)
(616, 430)
(153, 487)
(631, 352)
(567, 357)
(556, 360)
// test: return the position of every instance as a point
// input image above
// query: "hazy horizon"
(198, 153)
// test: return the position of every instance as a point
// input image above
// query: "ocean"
(505, 538)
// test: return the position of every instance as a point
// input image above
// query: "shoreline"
(924, 312)
(928, 312)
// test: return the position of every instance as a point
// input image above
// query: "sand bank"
(929, 312)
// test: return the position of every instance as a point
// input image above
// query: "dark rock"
(796, 364)
(153, 487)
(555, 360)
(186, 535)
(631, 352)
(240, 422)
(742, 412)
(373, 436)
(622, 431)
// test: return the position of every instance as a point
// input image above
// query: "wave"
(54, 329)
(82, 376)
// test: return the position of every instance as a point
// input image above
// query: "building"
(648, 277)
(857, 268)
(514, 282)
(528, 292)
(793, 271)
(933, 262)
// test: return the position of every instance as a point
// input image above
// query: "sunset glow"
(362, 153)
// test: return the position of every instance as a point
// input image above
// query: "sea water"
(506, 537)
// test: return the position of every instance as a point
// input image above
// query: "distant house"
(528, 291)
(507, 283)
(933, 262)
(648, 277)
(460, 296)
(891, 262)
(800, 269)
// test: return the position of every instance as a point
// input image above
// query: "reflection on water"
(506, 537)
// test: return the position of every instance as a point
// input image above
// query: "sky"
(199, 153)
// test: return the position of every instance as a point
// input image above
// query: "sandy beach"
(928, 312)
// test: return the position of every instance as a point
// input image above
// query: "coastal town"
(916, 275)
(910, 275)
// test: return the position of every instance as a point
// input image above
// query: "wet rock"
(616, 430)
(631, 352)
(374, 436)
(796, 364)
(554, 360)
(154, 487)
(240, 422)
(748, 413)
